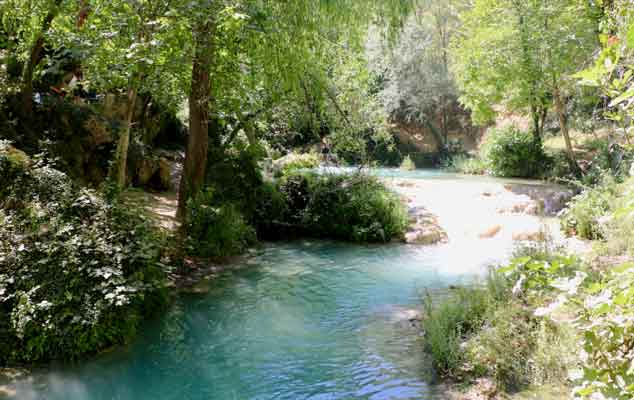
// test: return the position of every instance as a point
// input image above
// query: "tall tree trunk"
(442, 148)
(199, 99)
(120, 166)
(535, 117)
(34, 59)
(542, 122)
(563, 125)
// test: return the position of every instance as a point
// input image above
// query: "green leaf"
(623, 97)
(629, 38)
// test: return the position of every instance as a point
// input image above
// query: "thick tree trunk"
(34, 59)
(121, 159)
(563, 125)
(199, 99)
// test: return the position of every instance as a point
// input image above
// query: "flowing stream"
(299, 320)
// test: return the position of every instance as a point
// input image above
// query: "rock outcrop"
(424, 228)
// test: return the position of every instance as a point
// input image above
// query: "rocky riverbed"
(476, 211)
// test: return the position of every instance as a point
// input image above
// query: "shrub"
(216, 231)
(495, 330)
(236, 178)
(271, 208)
(408, 164)
(510, 152)
(348, 207)
(448, 323)
(465, 164)
(605, 319)
(559, 166)
(583, 215)
(77, 273)
(296, 162)
(517, 349)
(619, 224)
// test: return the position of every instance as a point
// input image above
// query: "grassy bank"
(548, 318)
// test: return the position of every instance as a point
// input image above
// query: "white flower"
(570, 286)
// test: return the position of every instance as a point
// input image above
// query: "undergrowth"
(77, 272)
(493, 330)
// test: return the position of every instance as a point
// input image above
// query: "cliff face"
(453, 125)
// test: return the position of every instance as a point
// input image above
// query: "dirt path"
(161, 206)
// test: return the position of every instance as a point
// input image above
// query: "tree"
(127, 44)
(280, 42)
(30, 24)
(613, 71)
(418, 85)
(199, 107)
(521, 55)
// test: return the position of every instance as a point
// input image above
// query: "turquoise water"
(298, 320)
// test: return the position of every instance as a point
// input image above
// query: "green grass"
(490, 331)
(464, 164)
(408, 164)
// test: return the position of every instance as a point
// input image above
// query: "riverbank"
(358, 304)
(521, 328)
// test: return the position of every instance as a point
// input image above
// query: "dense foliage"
(585, 214)
(77, 273)
(348, 207)
(495, 330)
(216, 230)
(511, 152)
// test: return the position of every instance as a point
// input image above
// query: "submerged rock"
(425, 229)
(537, 236)
(426, 236)
(402, 317)
(491, 232)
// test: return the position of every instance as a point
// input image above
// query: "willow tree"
(282, 40)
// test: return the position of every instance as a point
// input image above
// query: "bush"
(583, 215)
(348, 207)
(620, 222)
(464, 164)
(408, 164)
(216, 231)
(605, 318)
(517, 349)
(77, 273)
(510, 152)
(271, 208)
(296, 162)
(236, 178)
(495, 330)
(448, 323)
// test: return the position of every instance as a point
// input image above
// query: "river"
(308, 319)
